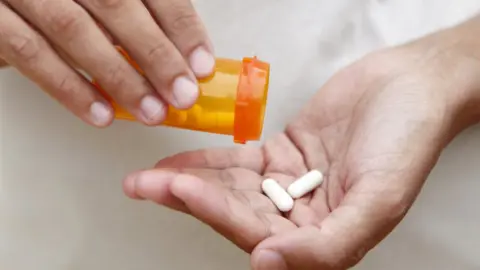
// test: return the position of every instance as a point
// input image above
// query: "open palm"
(375, 130)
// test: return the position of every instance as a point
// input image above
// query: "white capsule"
(305, 184)
(277, 195)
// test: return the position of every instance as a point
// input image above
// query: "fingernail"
(185, 92)
(269, 260)
(202, 62)
(152, 108)
(100, 113)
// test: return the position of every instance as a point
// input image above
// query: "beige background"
(61, 203)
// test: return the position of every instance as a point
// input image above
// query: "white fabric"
(61, 201)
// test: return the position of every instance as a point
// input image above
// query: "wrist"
(468, 47)
(451, 59)
(461, 51)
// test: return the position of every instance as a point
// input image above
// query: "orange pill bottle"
(232, 101)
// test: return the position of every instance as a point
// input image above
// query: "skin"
(376, 130)
(49, 40)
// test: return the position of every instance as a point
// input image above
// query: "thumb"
(366, 215)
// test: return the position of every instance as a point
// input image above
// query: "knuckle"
(67, 23)
(24, 47)
(163, 55)
(115, 77)
(71, 91)
(68, 89)
(184, 21)
(159, 51)
(108, 4)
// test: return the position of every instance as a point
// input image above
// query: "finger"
(71, 28)
(208, 202)
(183, 26)
(226, 212)
(138, 33)
(26, 50)
(229, 206)
(154, 185)
(217, 158)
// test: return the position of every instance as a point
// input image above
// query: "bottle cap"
(251, 100)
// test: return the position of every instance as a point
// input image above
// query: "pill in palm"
(277, 194)
(305, 184)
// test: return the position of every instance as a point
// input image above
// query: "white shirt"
(61, 202)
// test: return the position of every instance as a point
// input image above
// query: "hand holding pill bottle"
(232, 101)
(345, 171)
(54, 43)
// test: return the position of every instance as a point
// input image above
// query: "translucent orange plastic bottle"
(231, 102)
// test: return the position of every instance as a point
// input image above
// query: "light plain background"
(61, 202)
